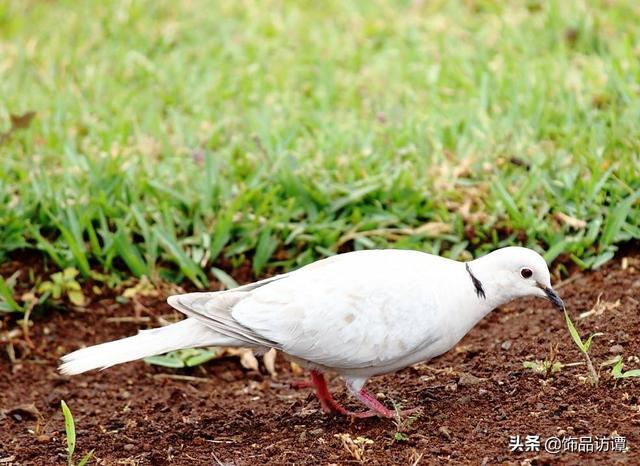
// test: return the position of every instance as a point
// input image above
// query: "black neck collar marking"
(477, 284)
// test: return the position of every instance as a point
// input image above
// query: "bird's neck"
(480, 294)
(492, 282)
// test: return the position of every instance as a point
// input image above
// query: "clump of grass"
(585, 345)
(236, 146)
(64, 284)
(547, 367)
(70, 428)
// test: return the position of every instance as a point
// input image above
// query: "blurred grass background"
(172, 137)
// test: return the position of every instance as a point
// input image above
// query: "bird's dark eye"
(526, 273)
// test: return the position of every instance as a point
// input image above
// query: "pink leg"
(327, 402)
(377, 408)
(329, 405)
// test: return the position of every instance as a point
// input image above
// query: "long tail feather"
(188, 333)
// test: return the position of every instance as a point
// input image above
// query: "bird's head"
(515, 272)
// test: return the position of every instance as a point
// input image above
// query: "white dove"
(357, 314)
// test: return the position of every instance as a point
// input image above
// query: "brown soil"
(140, 414)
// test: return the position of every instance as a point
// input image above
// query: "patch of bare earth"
(473, 398)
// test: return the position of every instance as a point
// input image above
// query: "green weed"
(402, 423)
(183, 358)
(545, 367)
(616, 371)
(583, 346)
(63, 284)
(70, 429)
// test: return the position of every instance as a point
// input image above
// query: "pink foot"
(329, 405)
(377, 408)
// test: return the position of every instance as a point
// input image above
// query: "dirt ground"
(473, 398)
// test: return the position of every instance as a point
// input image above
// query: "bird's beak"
(552, 296)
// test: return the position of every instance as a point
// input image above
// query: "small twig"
(183, 378)
(133, 320)
(574, 364)
(215, 457)
(25, 324)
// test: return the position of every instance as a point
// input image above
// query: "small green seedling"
(583, 346)
(549, 366)
(617, 373)
(545, 368)
(402, 424)
(183, 358)
(64, 283)
(70, 428)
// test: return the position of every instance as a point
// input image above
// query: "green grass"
(171, 134)
(70, 429)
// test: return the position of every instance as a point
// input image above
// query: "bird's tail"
(188, 333)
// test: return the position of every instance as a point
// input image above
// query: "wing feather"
(213, 309)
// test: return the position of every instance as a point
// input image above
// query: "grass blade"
(70, 428)
(187, 266)
(85, 459)
(574, 333)
(130, 254)
(7, 296)
(224, 278)
(165, 360)
(509, 203)
(616, 218)
(264, 250)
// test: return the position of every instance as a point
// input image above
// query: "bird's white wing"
(213, 309)
(363, 309)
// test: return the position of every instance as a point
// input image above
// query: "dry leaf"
(355, 447)
(270, 362)
(247, 358)
(572, 222)
(25, 411)
(144, 287)
(296, 369)
(433, 228)
(599, 307)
